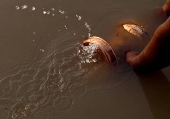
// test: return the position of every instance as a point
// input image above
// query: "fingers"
(162, 33)
(136, 61)
(132, 59)
(152, 57)
(166, 8)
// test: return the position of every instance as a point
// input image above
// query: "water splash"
(88, 54)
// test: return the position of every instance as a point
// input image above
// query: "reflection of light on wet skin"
(134, 29)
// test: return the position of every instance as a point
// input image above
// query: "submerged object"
(105, 48)
(134, 29)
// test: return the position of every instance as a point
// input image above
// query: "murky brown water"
(45, 72)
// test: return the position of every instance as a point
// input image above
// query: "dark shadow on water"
(157, 91)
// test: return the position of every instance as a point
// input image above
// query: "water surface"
(46, 73)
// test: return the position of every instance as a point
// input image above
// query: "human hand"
(155, 55)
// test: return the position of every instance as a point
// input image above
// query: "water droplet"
(87, 26)
(33, 40)
(82, 61)
(74, 33)
(24, 7)
(42, 50)
(58, 30)
(53, 15)
(44, 12)
(62, 12)
(17, 7)
(87, 61)
(79, 17)
(53, 9)
(48, 12)
(94, 60)
(66, 16)
(65, 26)
(89, 34)
(33, 8)
(34, 33)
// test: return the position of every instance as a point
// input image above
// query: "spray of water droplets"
(61, 11)
(88, 27)
(79, 17)
(88, 54)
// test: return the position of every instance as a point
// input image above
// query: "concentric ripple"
(67, 72)
(61, 76)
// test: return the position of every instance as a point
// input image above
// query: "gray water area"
(46, 74)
